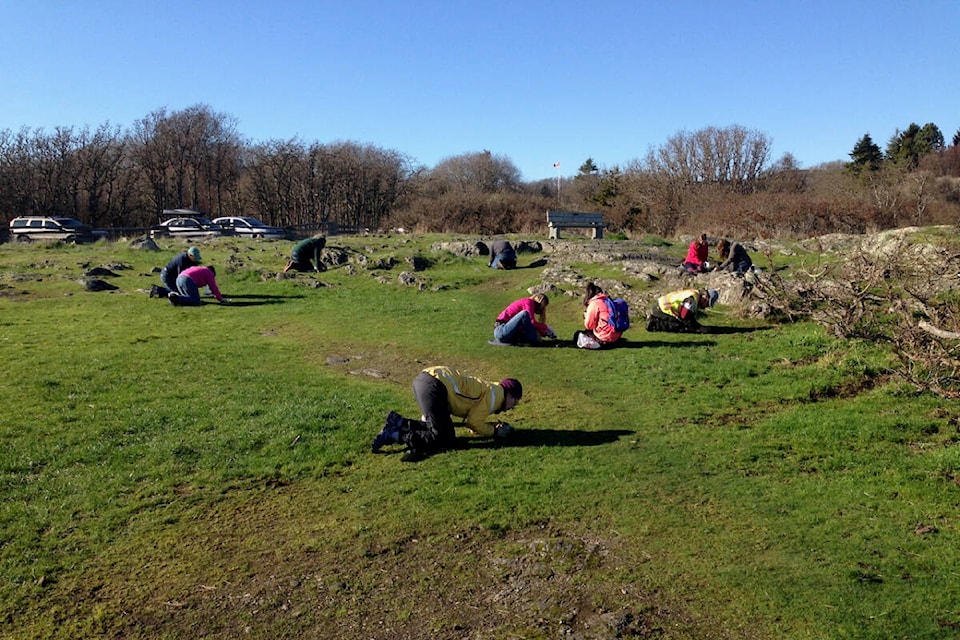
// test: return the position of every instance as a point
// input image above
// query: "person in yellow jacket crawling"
(444, 393)
(677, 311)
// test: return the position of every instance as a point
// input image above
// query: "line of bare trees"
(196, 159)
(718, 179)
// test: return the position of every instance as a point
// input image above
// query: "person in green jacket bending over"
(305, 255)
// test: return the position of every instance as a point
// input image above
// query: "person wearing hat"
(170, 273)
(442, 393)
(305, 255)
(677, 311)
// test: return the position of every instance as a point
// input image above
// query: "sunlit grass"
(762, 476)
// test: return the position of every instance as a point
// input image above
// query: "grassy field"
(206, 472)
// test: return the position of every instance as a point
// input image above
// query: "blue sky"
(537, 82)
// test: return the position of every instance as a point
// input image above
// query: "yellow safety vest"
(671, 303)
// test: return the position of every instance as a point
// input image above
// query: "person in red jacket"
(596, 317)
(696, 260)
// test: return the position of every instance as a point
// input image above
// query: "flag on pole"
(556, 164)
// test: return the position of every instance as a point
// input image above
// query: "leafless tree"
(481, 172)
(189, 157)
(733, 156)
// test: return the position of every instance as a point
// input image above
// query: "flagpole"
(557, 165)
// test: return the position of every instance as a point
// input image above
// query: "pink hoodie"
(203, 277)
(523, 304)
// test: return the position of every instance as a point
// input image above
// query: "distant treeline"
(719, 180)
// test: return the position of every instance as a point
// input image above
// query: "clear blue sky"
(537, 82)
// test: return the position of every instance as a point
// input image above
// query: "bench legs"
(596, 233)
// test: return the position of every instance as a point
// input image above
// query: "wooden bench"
(557, 220)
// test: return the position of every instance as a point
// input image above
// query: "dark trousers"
(435, 432)
(660, 321)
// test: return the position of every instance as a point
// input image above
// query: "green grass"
(205, 472)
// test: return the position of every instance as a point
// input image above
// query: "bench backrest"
(572, 218)
(557, 220)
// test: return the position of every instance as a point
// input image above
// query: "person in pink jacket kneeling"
(523, 322)
(188, 286)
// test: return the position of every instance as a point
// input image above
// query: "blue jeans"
(509, 261)
(188, 290)
(518, 329)
(740, 267)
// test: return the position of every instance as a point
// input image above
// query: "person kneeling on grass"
(524, 321)
(441, 393)
(502, 255)
(188, 286)
(677, 311)
(734, 257)
(306, 255)
(176, 266)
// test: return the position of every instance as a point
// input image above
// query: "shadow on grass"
(526, 437)
(255, 300)
(258, 296)
(729, 330)
(536, 264)
(693, 340)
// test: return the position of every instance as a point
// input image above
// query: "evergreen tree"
(930, 139)
(907, 147)
(866, 155)
(589, 167)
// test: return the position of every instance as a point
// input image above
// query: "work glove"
(502, 430)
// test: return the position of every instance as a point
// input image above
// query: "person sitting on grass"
(596, 318)
(676, 312)
(524, 322)
(188, 287)
(442, 393)
(305, 255)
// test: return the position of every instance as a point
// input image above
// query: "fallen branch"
(940, 333)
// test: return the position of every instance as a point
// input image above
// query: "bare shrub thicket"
(896, 293)
(478, 213)
(718, 179)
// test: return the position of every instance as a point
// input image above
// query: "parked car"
(192, 227)
(248, 227)
(52, 228)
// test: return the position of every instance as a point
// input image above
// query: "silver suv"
(185, 223)
(51, 228)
